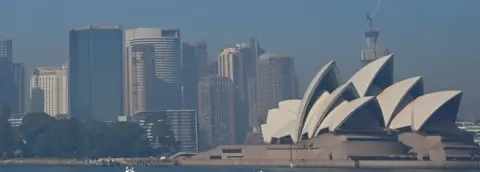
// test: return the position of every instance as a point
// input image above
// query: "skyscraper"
(20, 83)
(166, 67)
(194, 65)
(8, 89)
(277, 81)
(96, 73)
(51, 84)
(141, 97)
(216, 111)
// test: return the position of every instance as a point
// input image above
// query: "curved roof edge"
(390, 98)
(312, 89)
(341, 108)
(363, 79)
(327, 105)
(348, 111)
(416, 113)
(309, 122)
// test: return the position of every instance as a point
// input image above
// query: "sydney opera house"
(368, 118)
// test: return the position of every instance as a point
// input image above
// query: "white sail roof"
(345, 112)
(327, 79)
(364, 79)
(313, 114)
(291, 105)
(400, 92)
(327, 105)
(416, 113)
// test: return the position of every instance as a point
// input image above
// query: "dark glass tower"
(95, 73)
(8, 89)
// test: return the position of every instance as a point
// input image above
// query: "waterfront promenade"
(99, 162)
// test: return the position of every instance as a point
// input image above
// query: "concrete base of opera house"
(390, 164)
(347, 150)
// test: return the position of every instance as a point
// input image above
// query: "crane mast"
(369, 54)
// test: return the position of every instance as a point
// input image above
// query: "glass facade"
(96, 73)
(8, 89)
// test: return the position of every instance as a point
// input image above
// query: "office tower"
(96, 73)
(238, 64)
(20, 84)
(166, 68)
(183, 124)
(8, 89)
(277, 81)
(194, 65)
(141, 96)
(51, 84)
(216, 110)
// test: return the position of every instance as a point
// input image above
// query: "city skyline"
(329, 30)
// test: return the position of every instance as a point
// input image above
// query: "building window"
(215, 157)
(231, 150)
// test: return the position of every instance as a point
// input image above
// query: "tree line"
(42, 136)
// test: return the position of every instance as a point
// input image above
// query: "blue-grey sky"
(437, 39)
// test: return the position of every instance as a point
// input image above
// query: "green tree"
(6, 134)
(163, 137)
(37, 132)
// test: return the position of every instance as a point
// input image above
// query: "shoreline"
(349, 164)
(107, 162)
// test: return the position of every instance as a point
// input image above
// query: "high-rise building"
(194, 65)
(96, 73)
(216, 111)
(277, 81)
(166, 69)
(8, 89)
(141, 86)
(238, 64)
(183, 124)
(232, 66)
(20, 83)
(51, 84)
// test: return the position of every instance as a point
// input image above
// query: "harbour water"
(195, 169)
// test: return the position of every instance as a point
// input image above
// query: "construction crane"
(370, 53)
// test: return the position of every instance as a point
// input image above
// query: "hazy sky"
(437, 39)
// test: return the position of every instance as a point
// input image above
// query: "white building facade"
(49, 89)
(152, 59)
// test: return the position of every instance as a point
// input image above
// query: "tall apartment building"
(194, 65)
(216, 111)
(238, 64)
(49, 90)
(165, 71)
(277, 81)
(96, 73)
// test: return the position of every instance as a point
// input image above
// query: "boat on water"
(129, 169)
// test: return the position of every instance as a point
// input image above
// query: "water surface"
(196, 169)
